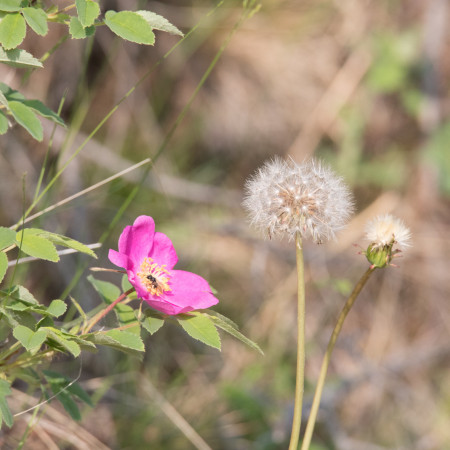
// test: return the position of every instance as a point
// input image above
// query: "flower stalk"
(99, 316)
(300, 374)
(326, 359)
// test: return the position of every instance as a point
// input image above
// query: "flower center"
(154, 277)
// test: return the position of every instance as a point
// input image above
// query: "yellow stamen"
(154, 278)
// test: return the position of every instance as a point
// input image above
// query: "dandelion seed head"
(386, 230)
(284, 198)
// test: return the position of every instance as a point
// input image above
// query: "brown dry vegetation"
(299, 78)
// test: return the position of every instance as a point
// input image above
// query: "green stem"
(326, 359)
(300, 376)
(105, 311)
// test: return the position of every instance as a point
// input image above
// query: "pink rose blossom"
(149, 258)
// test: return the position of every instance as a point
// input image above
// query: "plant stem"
(300, 376)
(326, 359)
(105, 311)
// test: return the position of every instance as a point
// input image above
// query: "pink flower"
(149, 258)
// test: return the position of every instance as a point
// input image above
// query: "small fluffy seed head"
(384, 233)
(284, 198)
(387, 229)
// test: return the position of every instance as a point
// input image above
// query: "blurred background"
(362, 85)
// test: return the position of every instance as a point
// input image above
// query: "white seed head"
(386, 230)
(284, 198)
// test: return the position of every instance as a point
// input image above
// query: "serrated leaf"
(36, 19)
(31, 340)
(66, 344)
(36, 246)
(77, 31)
(12, 30)
(27, 118)
(65, 241)
(120, 340)
(56, 308)
(131, 26)
(21, 293)
(7, 237)
(152, 324)
(5, 412)
(231, 328)
(3, 265)
(81, 10)
(10, 5)
(19, 58)
(108, 291)
(88, 11)
(15, 318)
(126, 317)
(3, 123)
(200, 327)
(159, 22)
(126, 339)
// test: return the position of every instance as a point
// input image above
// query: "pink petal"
(137, 241)
(189, 291)
(119, 259)
(167, 308)
(163, 251)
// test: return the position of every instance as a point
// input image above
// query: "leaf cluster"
(17, 16)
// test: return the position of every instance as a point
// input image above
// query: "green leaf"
(12, 30)
(59, 239)
(60, 389)
(3, 265)
(19, 58)
(120, 340)
(30, 339)
(152, 324)
(126, 317)
(10, 5)
(3, 99)
(77, 31)
(126, 339)
(36, 246)
(27, 118)
(7, 237)
(231, 328)
(43, 111)
(10, 93)
(56, 308)
(88, 12)
(70, 386)
(126, 285)
(108, 291)
(200, 327)
(3, 123)
(15, 318)
(159, 22)
(36, 19)
(21, 293)
(81, 11)
(63, 343)
(5, 412)
(130, 26)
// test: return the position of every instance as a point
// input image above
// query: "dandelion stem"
(326, 359)
(105, 311)
(300, 376)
